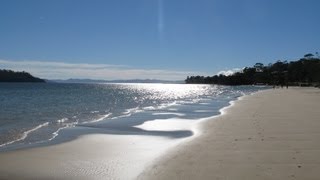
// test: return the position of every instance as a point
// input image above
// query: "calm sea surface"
(32, 113)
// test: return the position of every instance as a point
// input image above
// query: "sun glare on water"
(172, 91)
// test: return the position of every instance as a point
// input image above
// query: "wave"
(131, 111)
(169, 113)
(128, 112)
(161, 106)
(56, 133)
(25, 134)
(62, 120)
(99, 119)
(202, 111)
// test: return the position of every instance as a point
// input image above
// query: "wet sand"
(273, 134)
(96, 156)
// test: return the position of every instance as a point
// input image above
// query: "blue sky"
(163, 39)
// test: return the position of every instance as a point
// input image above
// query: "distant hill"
(12, 76)
(114, 81)
(303, 72)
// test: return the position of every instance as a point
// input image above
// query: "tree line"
(303, 72)
(12, 76)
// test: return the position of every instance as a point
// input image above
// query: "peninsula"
(12, 76)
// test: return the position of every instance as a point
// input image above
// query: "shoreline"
(90, 155)
(271, 134)
(64, 160)
(28, 137)
(36, 154)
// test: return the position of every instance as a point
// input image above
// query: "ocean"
(33, 114)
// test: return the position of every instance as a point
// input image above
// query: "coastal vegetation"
(302, 72)
(12, 76)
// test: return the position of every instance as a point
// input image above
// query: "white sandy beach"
(273, 134)
(97, 156)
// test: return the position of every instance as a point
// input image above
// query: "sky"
(156, 39)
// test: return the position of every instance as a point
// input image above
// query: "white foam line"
(128, 113)
(102, 118)
(25, 134)
(204, 103)
(202, 111)
(62, 120)
(97, 120)
(56, 133)
(161, 106)
(169, 113)
(132, 110)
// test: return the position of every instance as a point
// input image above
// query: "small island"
(12, 76)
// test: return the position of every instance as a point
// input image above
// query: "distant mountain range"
(12, 76)
(114, 81)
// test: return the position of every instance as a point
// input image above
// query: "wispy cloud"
(61, 70)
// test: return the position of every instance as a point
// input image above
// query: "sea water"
(37, 113)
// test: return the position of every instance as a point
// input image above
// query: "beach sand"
(94, 156)
(273, 134)
(97, 156)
